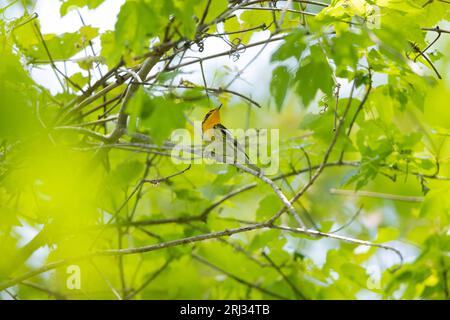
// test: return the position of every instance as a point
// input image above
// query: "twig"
(349, 222)
(95, 122)
(321, 166)
(205, 212)
(204, 80)
(33, 16)
(288, 281)
(215, 90)
(85, 100)
(136, 188)
(147, 66)
(100, 106)
(336, 105)
(87, 132)
(436, 29)
(445, 278)
(261, 26)
(107, 111)
(429, 46)
(220, 54)
(376, 195)
(310, 232)
(308, 161)
(236, 278)
(12, 295)
(275, 188)
(149, 280)
(182, 241)
(150, 234)
(317, 3)
(148, 164)
(193, 239)
(235, 246)
(358, 110)
(283, 12)
(108, 283)
(120, 262)
(52, 63)
(421, 53)
(255, 57)
(36, 286)
(205, 13)
(306, 13)
(91, 45)
(159, 180)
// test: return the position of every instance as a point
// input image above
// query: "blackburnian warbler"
(226, 147)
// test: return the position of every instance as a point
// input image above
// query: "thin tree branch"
(294, 288)
(182, 241)
(238, 279)
(358, 110)
(317, 3)
(436, 29)
(193, 239)
(224, 53)
(215, 90)
(321, 166)
(378, 195)
(159, 180)
(136, 188)
(108, 283)
(235, 246)
(349, 222)
(445, 278)
(306, 13)
(310, 232)
(205, 13)
(149, 280)
(38, 287)
(100, 106)
(147, 66)
(275, 188)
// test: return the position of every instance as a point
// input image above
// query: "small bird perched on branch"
(213, 129)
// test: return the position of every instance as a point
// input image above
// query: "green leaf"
(252, 19)
(386, 234)
(110, 53)
(136, 23)
(61, 47)
(88, 33)
(279, 85)
(268, 207)
(215, 9)
(314, 74)
(325, 226)
(354, 273)
(188, 12)
(126, 173)
(78, 80)
(346, 50)
(8, 219)
(69, 5)
(166, 116)
(18, 96)
(436, 204)
(293, 46)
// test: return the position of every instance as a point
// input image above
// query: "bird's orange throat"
(211, 119)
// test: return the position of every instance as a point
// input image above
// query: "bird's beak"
(219, 107)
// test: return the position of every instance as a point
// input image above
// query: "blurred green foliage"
(59, 187)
